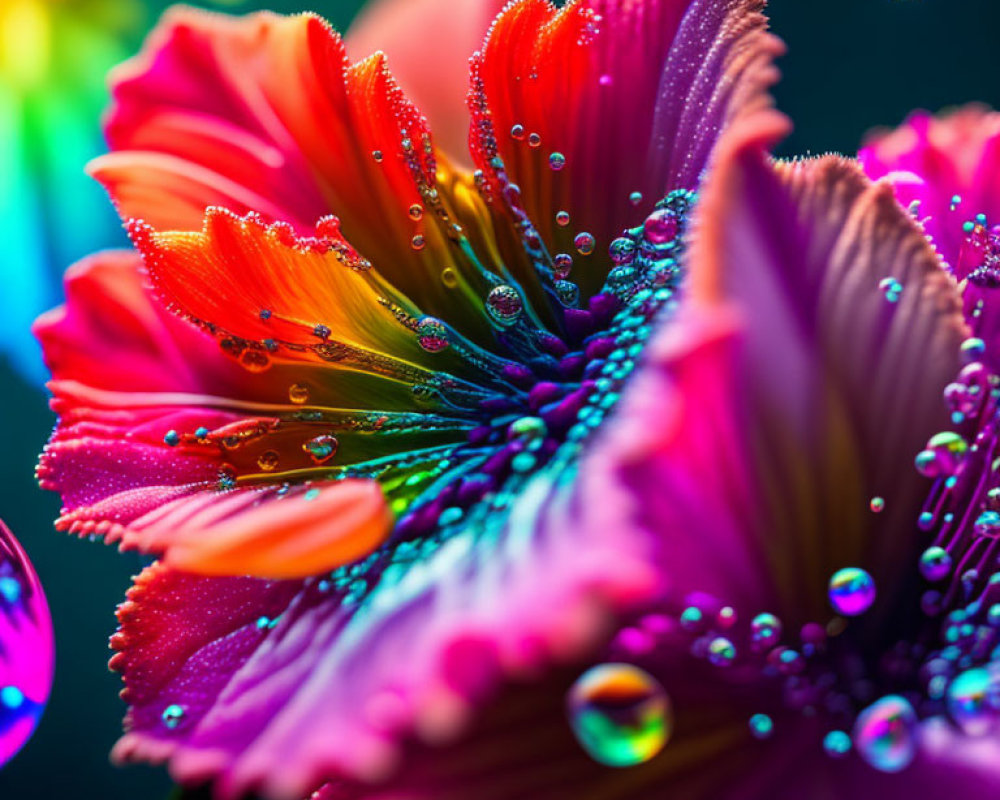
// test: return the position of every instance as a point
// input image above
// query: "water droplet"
(987, 524)
(321, 448)
(298, 393)
(534, 140)
(944, 453)
(530, 430)
(956, 201)
(26, 645)
(377, 155)
(562, 263)
(268, 460)
(692, 619)
(635, 198)
(721, 652)
(568, 292)
(172, 438)
(504, 304)
(172, 716)
(661, 226)
(972, 349)
(432, 335)
(837, 744)
(562, 218)
(517, 132)
(418, 242)
(416, 212)
(877, 505)
(935, 563)
(254, 360)
(620, 714)
(557, 161)
(449, 277)
(884, 733)
(584, 243)
(622, 251)
(765, 631)
(761, 726)
(969, 700)
(851, 591)
(891, 289)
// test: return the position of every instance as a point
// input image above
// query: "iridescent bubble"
(765, 631)
(557, 161)
(562, 217)
(27, 654)
(416, 212)
(504, 305)
(622, 250)
(172, 715)
(884, 733)
(837, 744)
(721, 652)
(418, 242)
(942, 455)
(935, 563)
(877, 505)
(534, 140)
(761, 726)
(635, 198)
(562, 263)
(568, 292)
(851, 591)
(584, 243)
(987, 524)
(517, 132)
(661, 226)
(692, 619)
(969, 698)
(620, 714)
(972, 349)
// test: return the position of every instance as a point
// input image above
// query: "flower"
(411, 469)
(27, 655)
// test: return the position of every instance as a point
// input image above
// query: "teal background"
(852, 64)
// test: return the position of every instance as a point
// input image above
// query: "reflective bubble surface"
(27, 653)
(620, 714)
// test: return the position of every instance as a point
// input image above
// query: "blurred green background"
(852, 65)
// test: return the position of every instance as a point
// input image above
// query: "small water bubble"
(635, 198)
(891, 289)
(432, 335)
(761, 726)
(877, 505)
(584, 243)
(661, 226)
(377, 155)
(504, 305)
(765, 630)
(268, 460)
(851, 591)
(418, 242)
(942, 456)
(321, 448)
(935, 563)
(622, 250)
(620, 714)
(968, 700)
(562, 218)
(836, 744)
(298, 393)
(721, 652)
(172, 716)
(534, 140)
(987, 524)
(557, 161)
(416, 212)
(568, 292)
(517, 132)
(885, 733)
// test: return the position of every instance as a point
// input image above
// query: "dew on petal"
(661, 226)
(620, 714)
(321, 448)
(298, 393)
(432, 335)
(851, 591)
(504, 305)
(885, 733)
(172, 716)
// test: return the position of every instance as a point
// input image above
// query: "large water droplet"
(935, 563)
(27, 654)
(943, 454)
(884, 733)
(432, 335)
(321, 448)
(851, 591)
(620, 714)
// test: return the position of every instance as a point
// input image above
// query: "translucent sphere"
(27, 653)
(851, 591)
(969, 700)
(620, 714)
(885, 733)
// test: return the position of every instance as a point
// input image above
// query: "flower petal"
(796, 389)
(428, 44)
(933, 160)
(632, 95)
(405, 644)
